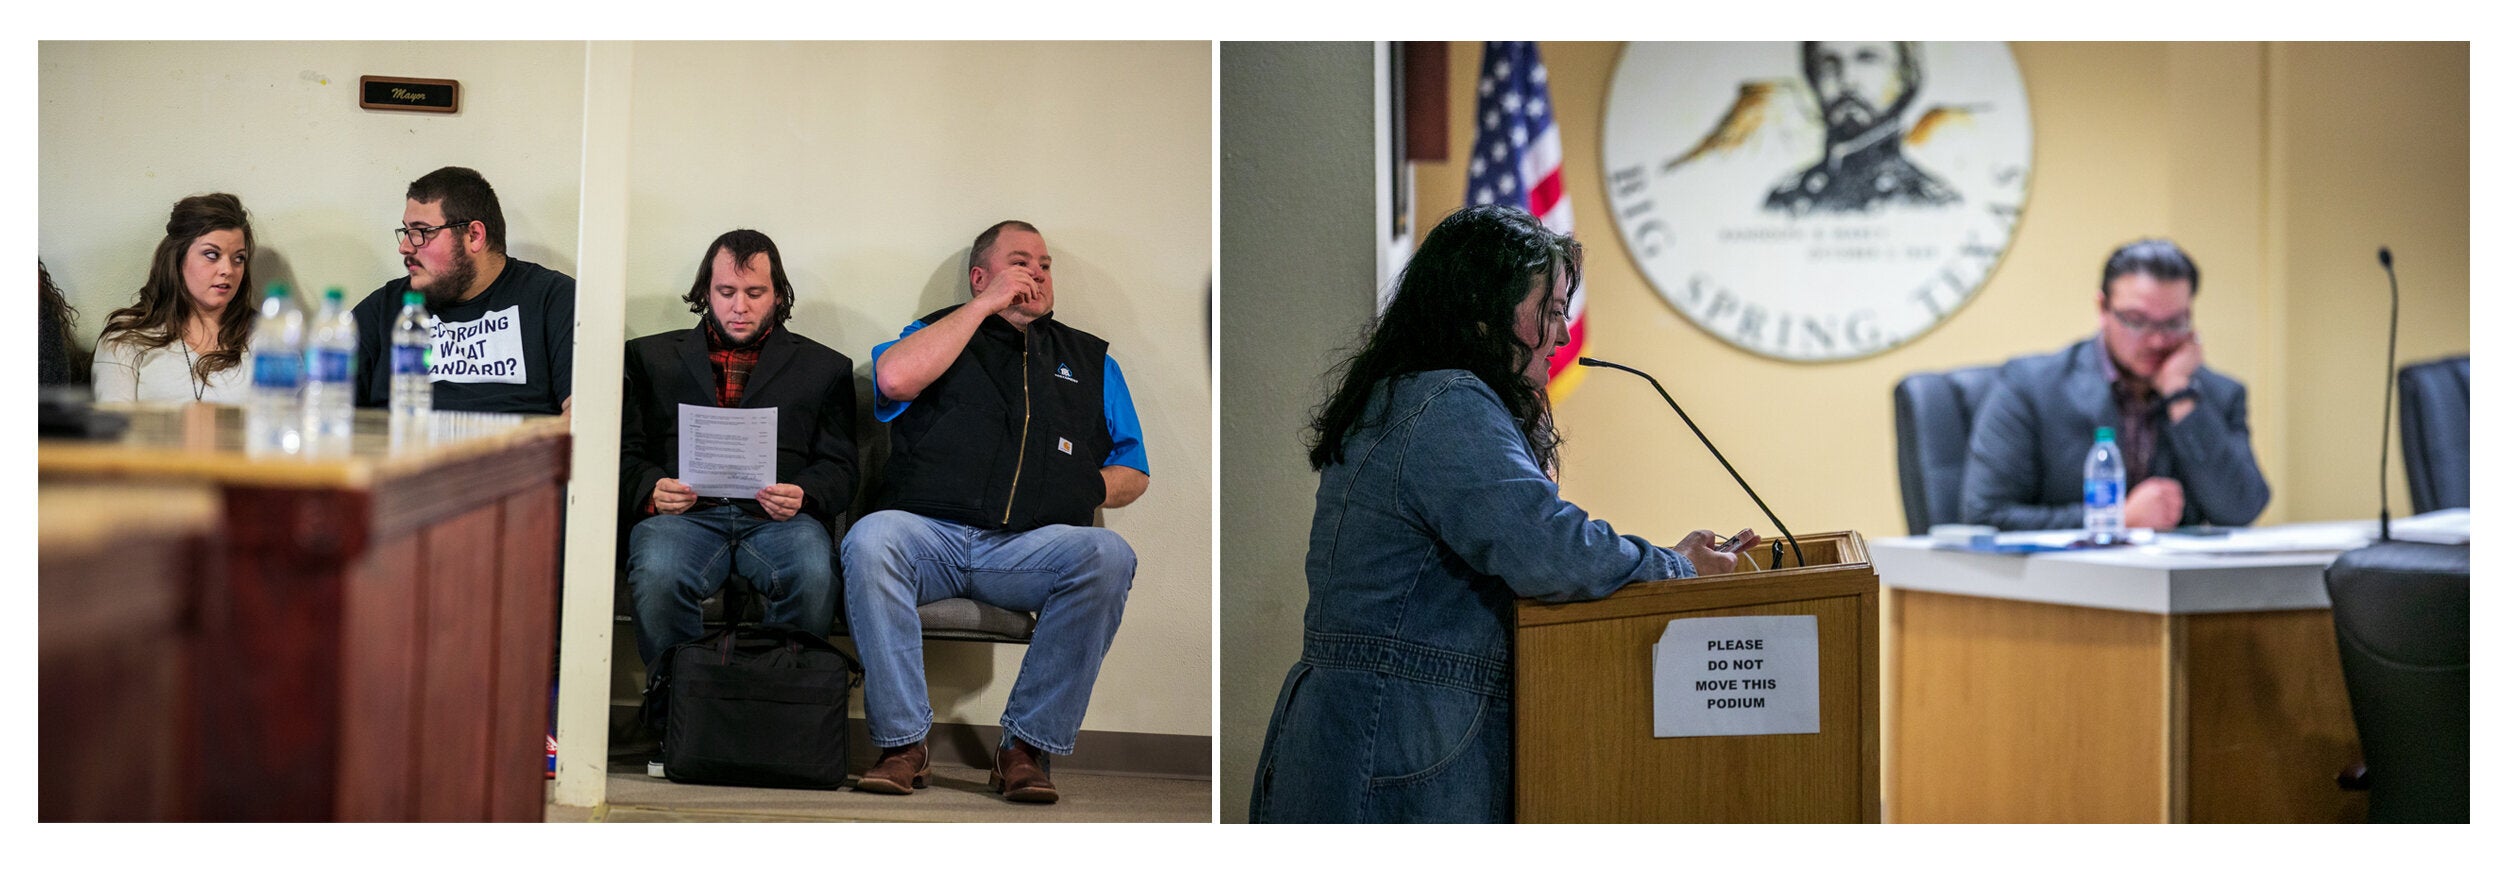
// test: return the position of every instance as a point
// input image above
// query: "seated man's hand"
(2179, 368)
(1007, 288)
(1700, 546)
(2156, 503)
(671, 496)
(2178, 371)
(781, 501)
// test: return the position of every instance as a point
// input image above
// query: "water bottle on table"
(273, 421)
(412, 359)
(330, 375)
(2104, 489)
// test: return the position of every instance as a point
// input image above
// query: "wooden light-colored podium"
(1585, 752)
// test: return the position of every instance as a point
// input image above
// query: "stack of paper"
(2453, 526)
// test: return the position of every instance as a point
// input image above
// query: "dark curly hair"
(56, 307)
(1454, 309)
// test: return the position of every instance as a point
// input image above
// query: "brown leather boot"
(898, 771)
(1022, 773)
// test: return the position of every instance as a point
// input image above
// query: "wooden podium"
(1583, 699)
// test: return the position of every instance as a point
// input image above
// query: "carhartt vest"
(1011, 436)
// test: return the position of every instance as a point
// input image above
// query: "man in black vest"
(684, 543)
(1009, 429)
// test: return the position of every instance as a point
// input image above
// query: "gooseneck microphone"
(1714, 452)
(2387, 409)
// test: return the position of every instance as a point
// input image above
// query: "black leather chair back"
(2400, 623)
(1931, 417)
(2432, 417)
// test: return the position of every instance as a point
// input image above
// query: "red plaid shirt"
(731, 365)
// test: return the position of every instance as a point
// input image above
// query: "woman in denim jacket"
(1437, 508)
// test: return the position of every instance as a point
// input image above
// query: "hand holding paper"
(781, 501)
(671, 496)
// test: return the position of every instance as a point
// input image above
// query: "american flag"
(1518, 161)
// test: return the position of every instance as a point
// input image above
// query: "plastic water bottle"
(273, 421)
(412, 358)
(330, 375)
(2104, 489)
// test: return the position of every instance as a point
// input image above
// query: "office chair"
(2400, 623)
(2432, 417)
(1931, 418)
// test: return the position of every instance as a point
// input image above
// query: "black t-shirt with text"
(509, 349)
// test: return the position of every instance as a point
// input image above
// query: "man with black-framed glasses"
(503, 327)
(2182, 428)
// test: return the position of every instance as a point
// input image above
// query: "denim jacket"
(1435, 522)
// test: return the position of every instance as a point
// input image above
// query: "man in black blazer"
(2182, 428)
(684, 544)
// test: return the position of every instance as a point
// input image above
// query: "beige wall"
(2375, 152)
(872, 165)
(126, 128)
(2281, 168)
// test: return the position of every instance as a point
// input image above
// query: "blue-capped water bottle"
(2104, 489)
(273, 422)
(330, 375)
(412, 358)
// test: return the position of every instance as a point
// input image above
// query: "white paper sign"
(726, 452)
(482, 351)
(1736, 676)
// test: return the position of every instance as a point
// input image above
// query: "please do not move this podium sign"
(1736, 676)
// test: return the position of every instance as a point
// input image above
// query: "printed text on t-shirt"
(482, 351)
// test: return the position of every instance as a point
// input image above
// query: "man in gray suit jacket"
(2182, 428)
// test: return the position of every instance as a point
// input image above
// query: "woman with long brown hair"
(183, 338)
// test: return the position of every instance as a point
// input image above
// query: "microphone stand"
(2387, 408)
(1714, 452)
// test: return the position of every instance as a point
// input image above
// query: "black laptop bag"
(752, 705)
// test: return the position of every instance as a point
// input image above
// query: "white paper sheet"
(2293, 538)
(1736, 676)
(2453, 526)
(726, 452)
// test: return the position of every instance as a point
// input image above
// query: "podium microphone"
(2387, 408)
(1714, 452)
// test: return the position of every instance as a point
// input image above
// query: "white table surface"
(2172, 575)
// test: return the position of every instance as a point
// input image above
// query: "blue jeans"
(678, 560)
(1075, 577)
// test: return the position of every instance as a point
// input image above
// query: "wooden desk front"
(371, 636)
(2115, 686)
